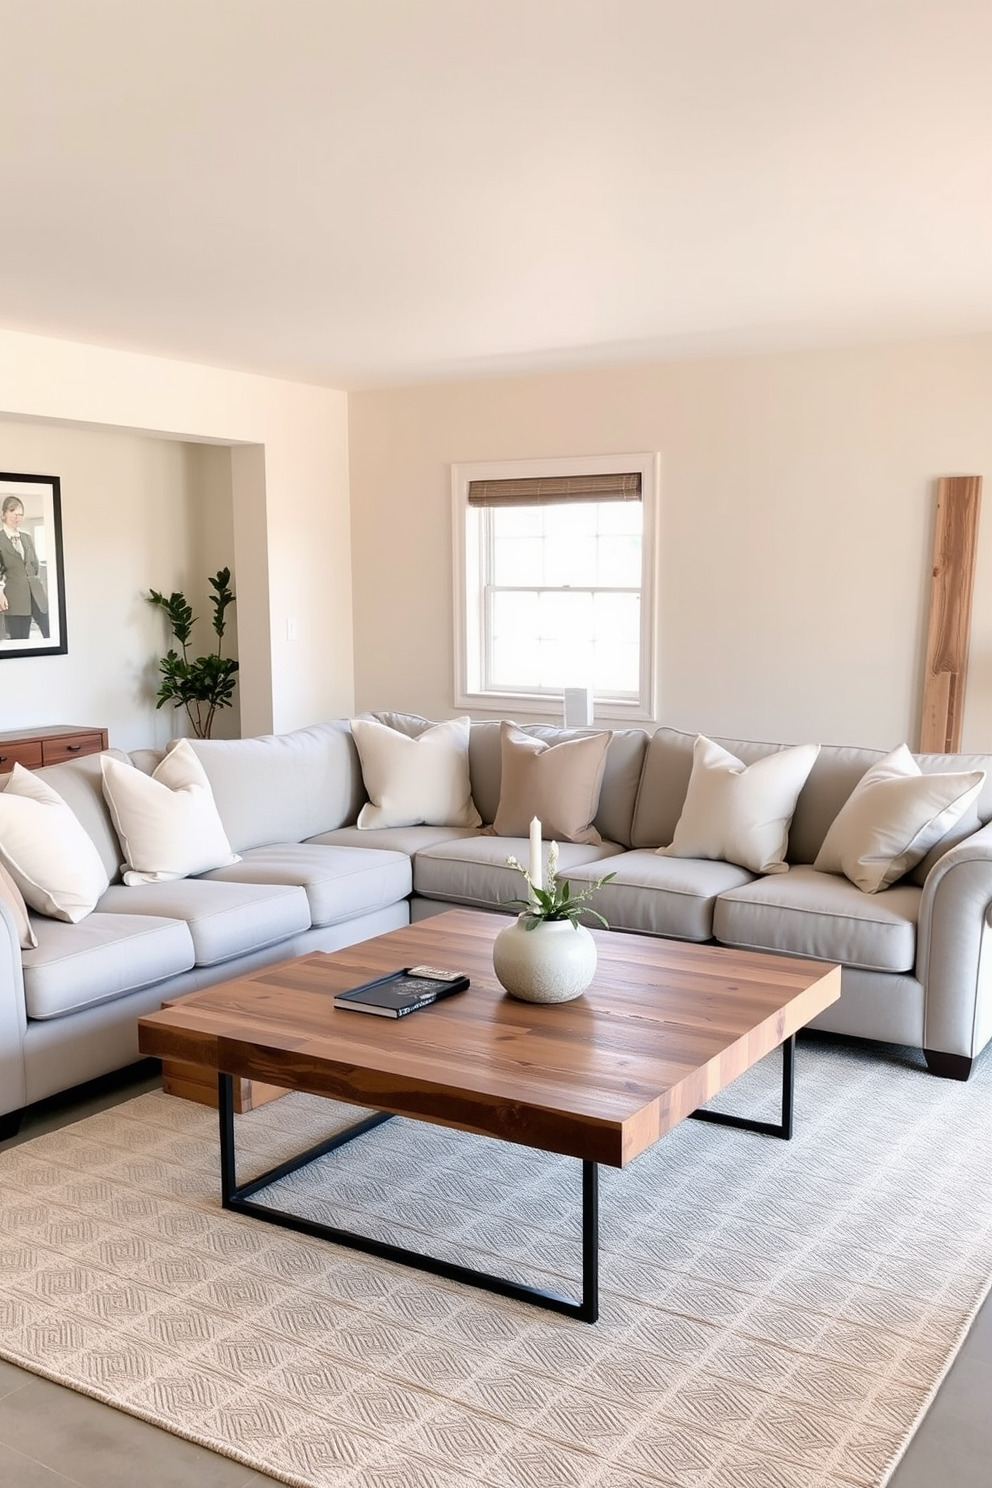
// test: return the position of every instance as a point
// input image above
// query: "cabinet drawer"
(28, 755)
(70, 746)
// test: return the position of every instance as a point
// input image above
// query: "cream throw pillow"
(892, 819)
(739, 813)
(47, 851)
(414, 781)
(168, 822)
(557, 783)
(14, 900)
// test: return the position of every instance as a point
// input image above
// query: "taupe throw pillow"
(557, 783)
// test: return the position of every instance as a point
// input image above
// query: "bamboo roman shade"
(543, 490)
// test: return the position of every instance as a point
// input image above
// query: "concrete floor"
(51, 1437)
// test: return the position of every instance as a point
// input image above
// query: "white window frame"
(469, 607)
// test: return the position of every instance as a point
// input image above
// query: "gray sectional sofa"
(917, 957)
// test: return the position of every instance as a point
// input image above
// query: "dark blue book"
(402, 992)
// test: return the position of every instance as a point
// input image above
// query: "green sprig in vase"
(547, 954)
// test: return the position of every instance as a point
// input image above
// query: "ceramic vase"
(554, 962)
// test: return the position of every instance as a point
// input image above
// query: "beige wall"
(796, 527)
(117, 427)
(129, 524)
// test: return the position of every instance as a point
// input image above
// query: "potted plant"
(205, 683)
(547, 954)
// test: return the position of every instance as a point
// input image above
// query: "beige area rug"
(774, 1315)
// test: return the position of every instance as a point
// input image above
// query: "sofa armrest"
(13, 1019)
(954, 948)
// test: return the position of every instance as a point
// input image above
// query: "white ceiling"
(363, 192)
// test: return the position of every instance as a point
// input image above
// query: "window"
(554, 582)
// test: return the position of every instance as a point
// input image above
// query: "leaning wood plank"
(954, 548)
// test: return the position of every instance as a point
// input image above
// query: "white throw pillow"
(892, 819)
(415, 780)
(47, 851)
(168, 822)
(11, 895)
(739, 813)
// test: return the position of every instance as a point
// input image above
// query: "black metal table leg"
(782, 1128)
(589, 1311)
(238, 1198)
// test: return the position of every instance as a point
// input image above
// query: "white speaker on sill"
(578, 707)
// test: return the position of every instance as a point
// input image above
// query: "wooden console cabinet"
(33, 748)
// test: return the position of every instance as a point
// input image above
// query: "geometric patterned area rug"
(773, 1314)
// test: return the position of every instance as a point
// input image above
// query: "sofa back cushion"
(621, 775)
(284, 787)
(835, 773)
(80, 784)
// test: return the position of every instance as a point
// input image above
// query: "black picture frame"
(38, 572)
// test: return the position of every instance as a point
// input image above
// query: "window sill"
(510, 704)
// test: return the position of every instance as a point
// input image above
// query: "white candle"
(536, 874)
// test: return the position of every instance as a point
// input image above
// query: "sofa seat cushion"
(661, 895)
(407, 840)
(103, 957)
(806, 913)
(340, 882)
(224, 919)
(474, 870)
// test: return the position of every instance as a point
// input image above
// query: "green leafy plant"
(556, 900)
(206, 683)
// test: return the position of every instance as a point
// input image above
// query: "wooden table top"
(664, 1027)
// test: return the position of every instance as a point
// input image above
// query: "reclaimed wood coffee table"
(664, 1027)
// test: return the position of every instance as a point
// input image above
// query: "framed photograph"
(32, 586)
